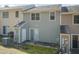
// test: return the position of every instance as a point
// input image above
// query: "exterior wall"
(49, 30)
(66, 19)
(12, 20)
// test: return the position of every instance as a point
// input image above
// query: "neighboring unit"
(69, 27)
(10, 16)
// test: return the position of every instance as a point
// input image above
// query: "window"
(76, 19)
(35, 16)
(4, 29)
(75, 41)
(17, 14)
(52, 16)
(5, 14)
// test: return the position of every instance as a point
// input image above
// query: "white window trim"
(73, 19)
(71, 39)
(35, 20)
(3, 16)
(54, 15)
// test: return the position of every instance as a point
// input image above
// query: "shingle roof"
(70, 8)
(24, 7)
(45, 8)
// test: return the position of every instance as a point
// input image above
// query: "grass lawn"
(36, 49)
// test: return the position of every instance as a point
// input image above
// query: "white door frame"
(14, 35)
(19, 36)
(61, 40)
(24, 34)
(30, 32)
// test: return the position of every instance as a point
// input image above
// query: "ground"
(27, 48)
(5, 50)
(39, 49)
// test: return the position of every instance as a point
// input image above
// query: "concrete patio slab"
(5, 50)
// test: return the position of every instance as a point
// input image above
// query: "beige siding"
(12, 20)
(1, 23)
(66, 19)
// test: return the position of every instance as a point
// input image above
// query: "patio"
(6, 50)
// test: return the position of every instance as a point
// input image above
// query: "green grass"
(36, 49)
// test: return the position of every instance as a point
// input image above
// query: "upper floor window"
(52, 16)
(17, 14)
(5, 14)
(76, 19)
(35, 16)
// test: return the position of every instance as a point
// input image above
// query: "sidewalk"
(4, 50)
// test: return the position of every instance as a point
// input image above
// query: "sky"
(21, 2)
